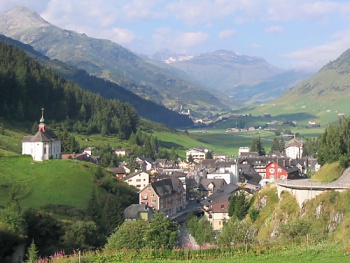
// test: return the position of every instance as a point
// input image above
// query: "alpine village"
(108, 156)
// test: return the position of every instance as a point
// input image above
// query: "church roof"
(294, 142)
(41, 136)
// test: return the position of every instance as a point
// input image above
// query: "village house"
(119, 172)
(215, 207)
(207, 187)
(138, 179)
(165, 196)
(44, 145)
(144, 164)
(197, 153)
(88, 150)
(182, 177)
(220, 157)
(229, 177)
(122, 152)
(275, 171)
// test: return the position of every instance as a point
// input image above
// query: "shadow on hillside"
(301, 116)
(171, 145)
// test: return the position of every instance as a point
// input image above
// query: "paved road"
(342, 183)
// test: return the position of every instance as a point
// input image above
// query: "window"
(138, 180)
(272, 170)
(279, 170)
(222, 206)
(154, 201)
(152, 195)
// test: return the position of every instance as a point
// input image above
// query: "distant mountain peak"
(168, 56)
(20, 18)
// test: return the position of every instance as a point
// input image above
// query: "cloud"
(123, 36)
(274, 29)
(190, 39)
(200, 11)
(177, 40)
(316, 57)
(228, 33)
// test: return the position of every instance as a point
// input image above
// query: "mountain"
(106, 59)
(320, 99)
(145, 108)
(244, 79)
(266, 90)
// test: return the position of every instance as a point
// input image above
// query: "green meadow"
(36, 184)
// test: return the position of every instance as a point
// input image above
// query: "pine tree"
(112, 213)
(94, 208)
(275, 145)
(173, 155)
(32, 253)
(282, 145)
(257, 146)
(238, 205)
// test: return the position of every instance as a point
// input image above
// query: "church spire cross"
(42, 124)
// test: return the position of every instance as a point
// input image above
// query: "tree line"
(26, 87)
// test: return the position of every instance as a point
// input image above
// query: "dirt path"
(186, 240)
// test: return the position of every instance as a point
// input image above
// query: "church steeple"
(42, 124)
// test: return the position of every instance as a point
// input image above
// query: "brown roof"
(40, 136)
(294, 142)
(117, 170)
(166, 186)
(219, 183)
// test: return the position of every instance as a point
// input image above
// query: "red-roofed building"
(275, 171)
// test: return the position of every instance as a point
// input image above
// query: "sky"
(290, 34)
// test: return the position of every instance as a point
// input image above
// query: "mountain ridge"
(106, 89)
(106, 59)
(244, 79)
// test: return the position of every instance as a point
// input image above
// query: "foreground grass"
(315, 253)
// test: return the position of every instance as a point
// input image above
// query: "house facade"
(44, 145)
(122, 152)
(197, 153)
(215, 207)
(139, 180)
(165, 196)
(275, 171)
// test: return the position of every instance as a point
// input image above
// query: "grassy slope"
(37, 184)
(328, 173)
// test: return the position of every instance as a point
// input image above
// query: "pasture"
(36, 184)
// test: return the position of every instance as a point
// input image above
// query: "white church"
(44, 145)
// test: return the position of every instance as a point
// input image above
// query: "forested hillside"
(26, 87)
(145, 108)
